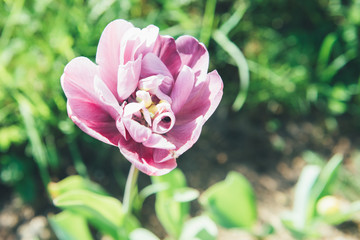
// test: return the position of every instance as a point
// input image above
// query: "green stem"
(130, 189)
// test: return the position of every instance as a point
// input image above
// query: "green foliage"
(199, 228)
(82, 201)
(231, 203)
(70, 226)
(316, 183)
(73, 183)
(172, 204)
(142, 234)
(300, 62)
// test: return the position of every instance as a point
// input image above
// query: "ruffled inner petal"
(165, 49)
(157, 85)
(146, 40)
(152, 65)
(137, 131)
(163, 122)
(108, 51)
(203, 99)
(194, 55)
(182, 88)
(128, 78)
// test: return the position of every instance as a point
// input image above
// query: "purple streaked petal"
(142, 158)
(183, 136)
(165, 49)
(104, 131)
(193, 54)
(152, 65)
(88, 111)
(182, 88)
(203, 100)
(163, 155)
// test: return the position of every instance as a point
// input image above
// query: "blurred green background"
(288, 57)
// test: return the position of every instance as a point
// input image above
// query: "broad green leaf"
(103, 212)
(72, 183)
(199, 228)
(324, 183)
(231, 203)
(314, 182)
(70, 226)
(303, 192)
(142, 234)
(327, 176)
(171, 213)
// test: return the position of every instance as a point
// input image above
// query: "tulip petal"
(78, 78)
(142, 158)
(128, 78)
(128, 43)
(158, 141)
(183, 136)
(152, 65)
(107, 99)
(104, 131)
(88, 111)
(162, 156)
(132, 108)
(165, 49)
(146, 40)
(182, 88)
(194, 55)
(108, 51)
(138, 132)
(203, 100)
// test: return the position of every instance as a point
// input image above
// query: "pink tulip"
(148, 94)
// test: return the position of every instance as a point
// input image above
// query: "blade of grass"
(78, 161)
(325, 51)
(241, 63)
(235, 18)
(338, 63)
(37, 146)
(208, 20)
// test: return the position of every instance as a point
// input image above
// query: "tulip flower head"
(147, 94)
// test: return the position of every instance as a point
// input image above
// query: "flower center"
(157, 113)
